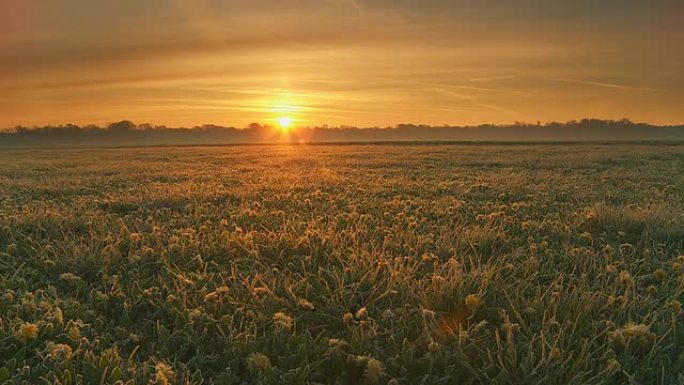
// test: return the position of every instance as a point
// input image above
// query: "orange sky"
(339, 62)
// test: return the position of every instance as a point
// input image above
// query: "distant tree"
(122, 127)
(255, 126)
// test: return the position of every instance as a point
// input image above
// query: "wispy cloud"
(623, 87)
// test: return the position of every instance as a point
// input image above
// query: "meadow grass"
(385, 264)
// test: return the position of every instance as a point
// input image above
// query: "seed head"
(374, 370)
(259, 361)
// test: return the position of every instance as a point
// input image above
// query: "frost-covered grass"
(343, 265)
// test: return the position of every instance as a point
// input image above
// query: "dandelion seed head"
(374, 370)
(259, 361)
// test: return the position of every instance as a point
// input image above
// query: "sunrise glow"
(284, 123)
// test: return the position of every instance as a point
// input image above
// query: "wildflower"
(57, 350)
(610, 268)
(613, 365)
(258, 291)
(174, 248)
(73, 332)
(659, 275)
(147, 252)
(374, 370)
(135, 237)
(306, 305)
(163, 374)
(171, 298)
(387, 315)
(8, 296)
(69, 277)
(676, 306)
(259, 361)
(637, 333)
(194, 314)
(608, 251)
(361, 313)
(651, 289)
(11, 249)
(676, 266)
(348, 317)
(555, 354)
(57, 315)
(28, 331)
(282, 321)
(472, 301)
(586, 236)
(625, 278)
(211, 297)
(223, 290)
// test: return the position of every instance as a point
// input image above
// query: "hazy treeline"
(128, 133)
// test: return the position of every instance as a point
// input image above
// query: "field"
(386, 264)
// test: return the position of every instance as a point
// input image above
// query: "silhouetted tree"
(122, 127)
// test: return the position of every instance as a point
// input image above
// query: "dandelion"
(608, 251)
(57, 315)
(387, 315)
(361, 314)
(348, 317)
(259, 361)
(60, 350)
(472, 301)
(8, 296)
(651, 290)
(555, 354)
(374, 370)
(305, 304)
(586, 236)
(69, 277)
(677, 266)
(163, 374)
(613, 365)
(196, 313)
(147, 252)
(174, 248)
(676, 306)
(222, 290)
(659, 275)
(282, 321)
(610, 268)
(28, 331)
(211, 297)
(135, 237)
(625, 278)
(73, 332)
(634, 333)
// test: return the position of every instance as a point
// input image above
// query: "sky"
(339, 62)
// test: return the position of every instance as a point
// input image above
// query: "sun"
(284, 122)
